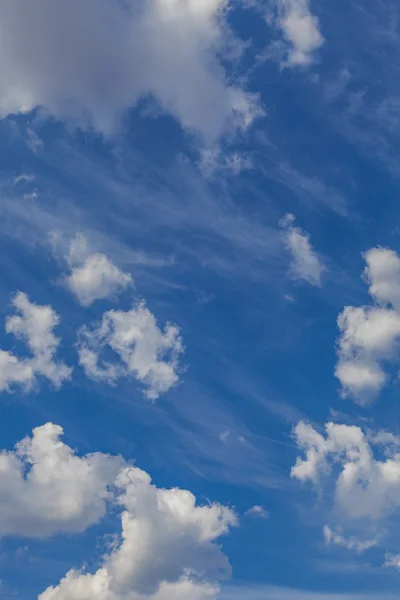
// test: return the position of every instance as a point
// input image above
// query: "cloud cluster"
(166, 549)
(301, 30)
(145, 351)
(369, 335)
(366, 486)
(93, 276)
(88, 62)
(45, 488)
(306, 263)
(34, 325)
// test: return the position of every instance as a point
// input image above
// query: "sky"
(199, 300)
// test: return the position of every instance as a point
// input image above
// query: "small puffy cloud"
(224, 436)
(365, 486)
(306, 264)
(257, 512)
(336, 537)
(45, 488)
(102, 58)
(301, 30)
(93, 276)
(369, 335)
(382, 273)
(145, 351)
(392, 560)
(178, 557)
(34, 325)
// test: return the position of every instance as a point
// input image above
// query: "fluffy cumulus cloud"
(93, 276)
(369, 335)
(166, 549)
(90, 61)
(366, 485)
(34, 325)
(45, 488)
(144, 350)
(301, 30)
(306, 263)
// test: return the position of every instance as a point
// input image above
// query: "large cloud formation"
(45, 488)
(88, 62)
(166, 549)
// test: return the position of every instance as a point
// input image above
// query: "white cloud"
(301, 30)
(215, 160)
(224, 436)
(369, 335)
(34, 325)
(93, 276)
(32, 195)
(365, 486)
(258, 512)
(336, 537)
(45, 488)
(305, 262)
(392, 560)
(91, 61)
(145, 351)
(24, 178)
(383, 275)
(166, 550)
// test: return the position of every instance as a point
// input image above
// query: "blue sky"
(200, 300)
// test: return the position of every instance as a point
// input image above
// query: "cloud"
(88, 62)
(145, 351)
(34, 325)
(365, 486)
(93, 276)
(166, 549)
(369, 335)
(45, 488)
(258, 512)
(24, 178)
(224, 436)
(392, 560)
(382, 273)
(306, 264)
(335, 536)
(216, 161)
(301, 30)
